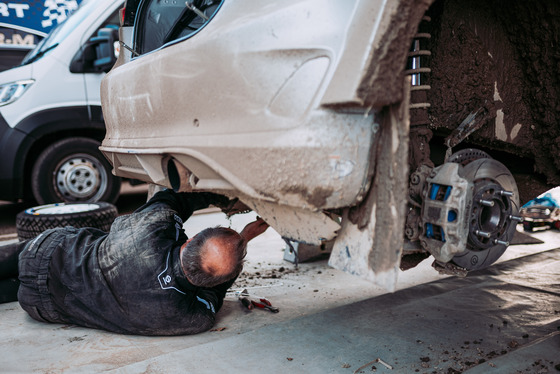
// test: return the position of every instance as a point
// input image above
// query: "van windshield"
(60, 32)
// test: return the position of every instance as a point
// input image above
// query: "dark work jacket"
(128, 280)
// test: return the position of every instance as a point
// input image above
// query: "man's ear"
(185, 243)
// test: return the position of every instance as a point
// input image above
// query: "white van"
(24, 24)
(51, 123)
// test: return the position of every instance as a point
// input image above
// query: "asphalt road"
(131, 198)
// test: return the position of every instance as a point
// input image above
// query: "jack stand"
(295, 252)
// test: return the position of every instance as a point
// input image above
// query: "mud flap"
(303, 226)
(371, 248)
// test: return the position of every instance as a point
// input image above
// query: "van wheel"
(33, 221)
(73, 170)
(528, 226)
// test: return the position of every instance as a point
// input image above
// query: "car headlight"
(10, 92)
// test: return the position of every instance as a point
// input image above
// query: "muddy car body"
(319, 116)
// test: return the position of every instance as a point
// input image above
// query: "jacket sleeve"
(184, 203)
(216, 294)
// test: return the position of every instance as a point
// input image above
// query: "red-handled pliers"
(264, 304)
(256, 301)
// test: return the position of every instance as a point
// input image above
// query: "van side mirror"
(97, 54)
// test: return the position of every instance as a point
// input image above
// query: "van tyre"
(33, 221)
(73, 170)
(528, 226)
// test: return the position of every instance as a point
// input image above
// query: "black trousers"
(9, 283)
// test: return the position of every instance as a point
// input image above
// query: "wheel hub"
(490, 216)
(78, 178)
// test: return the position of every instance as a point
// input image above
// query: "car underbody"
(438, 144)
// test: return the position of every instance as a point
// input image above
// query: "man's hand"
(234, 206)
(230, 207)
(254, 229)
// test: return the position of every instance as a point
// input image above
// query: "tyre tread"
(29, 226)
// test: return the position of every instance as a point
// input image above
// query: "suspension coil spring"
(418, 68)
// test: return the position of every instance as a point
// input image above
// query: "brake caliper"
(446, 207)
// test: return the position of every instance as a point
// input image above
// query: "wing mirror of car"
(98, 53)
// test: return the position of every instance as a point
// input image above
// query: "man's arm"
(184, 203)
(216, 294)
(254, 229)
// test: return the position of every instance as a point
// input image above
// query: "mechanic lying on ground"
(143, 277)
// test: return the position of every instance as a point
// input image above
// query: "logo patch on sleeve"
(165, 278)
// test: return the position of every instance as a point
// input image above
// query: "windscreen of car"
(61, 32)
(164, 21)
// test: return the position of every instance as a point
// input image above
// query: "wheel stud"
(515, 218)
(484, 234)
(486, 203)
(506, 193)
(496, 241)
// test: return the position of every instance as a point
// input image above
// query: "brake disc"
(466, 156)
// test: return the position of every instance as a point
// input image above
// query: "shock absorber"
(418, 68)
(420, 135)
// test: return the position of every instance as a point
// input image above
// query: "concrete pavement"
(330, 322)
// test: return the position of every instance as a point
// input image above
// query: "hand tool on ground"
(256, 301)
(245, 300)
(264, 304)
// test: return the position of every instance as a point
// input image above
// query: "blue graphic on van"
(36, 17)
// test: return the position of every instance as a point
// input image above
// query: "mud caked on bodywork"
(315, 114)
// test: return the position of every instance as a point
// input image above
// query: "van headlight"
(10, 92)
